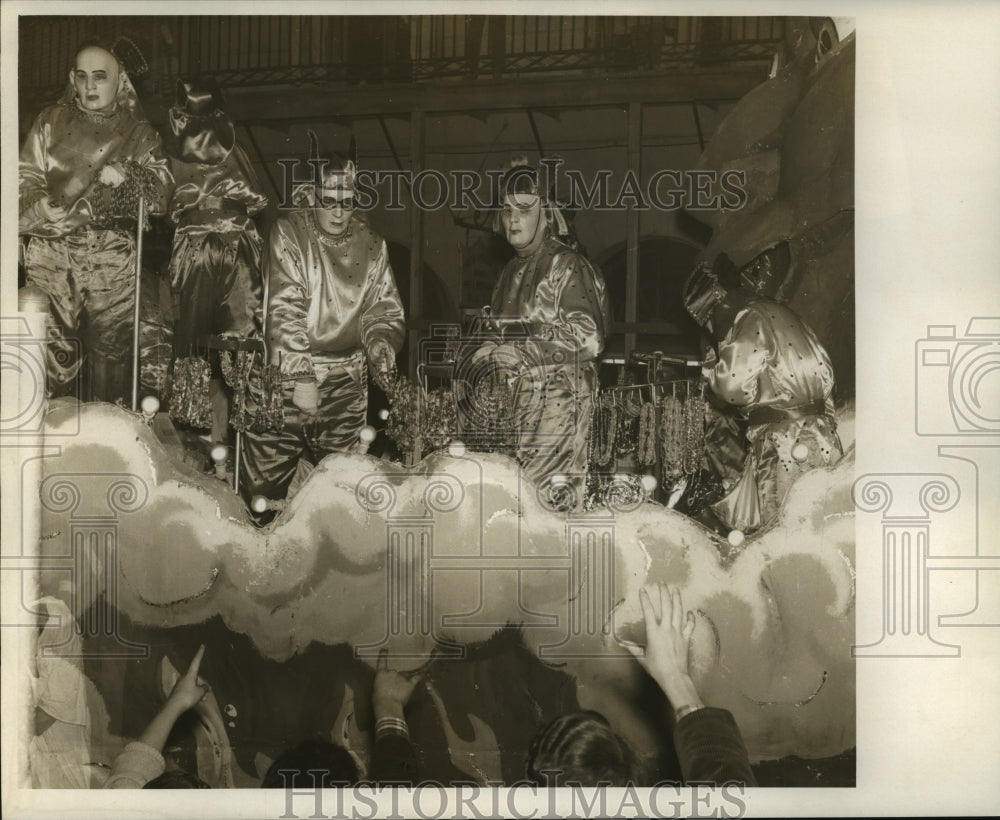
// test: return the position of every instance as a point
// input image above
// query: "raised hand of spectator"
(190, 688)
(668, 634)
(187, 692)
(391, 690)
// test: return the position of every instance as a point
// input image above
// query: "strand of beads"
(672, 438)
(271, 410)
(603, 430)
(694, 431)
(236, 371)
(121, 201)
(646, 449)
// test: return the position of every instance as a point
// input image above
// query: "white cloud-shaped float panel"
(441, 555)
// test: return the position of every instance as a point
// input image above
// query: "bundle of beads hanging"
(111, 202)
(271, 410)
(417, 415)
(236, 372)
(694, 429)
(672, 438)
(682, 435)
(494, 406)
(626, 434)
(602, 431)
(189, 399)
(646, 447)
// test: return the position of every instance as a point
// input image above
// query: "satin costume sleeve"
(287, 304)
(382, 314)
(64, 153)
(769, 358)
(561, 296)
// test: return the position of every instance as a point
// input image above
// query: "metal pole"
(632, 227)
(236, 462)
(135, 314)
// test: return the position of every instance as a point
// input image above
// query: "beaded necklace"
(328, 239)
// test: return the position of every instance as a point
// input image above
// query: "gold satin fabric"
(327, 296)
(770, 358)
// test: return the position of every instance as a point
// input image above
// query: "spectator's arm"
(393, 757)
(710, 748)
(142, 760)
(707, 740)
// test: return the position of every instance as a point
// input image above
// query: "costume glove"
(305, 396)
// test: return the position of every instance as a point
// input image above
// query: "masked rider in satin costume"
(559, 298)
(215, 264)
(771, 369)
(95, 139)
(333, 315)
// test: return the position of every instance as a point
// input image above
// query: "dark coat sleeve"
(394, 760)
(710, 748)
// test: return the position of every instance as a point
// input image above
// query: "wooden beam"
(265, 163)
(416, 307)
(323, 101)
(632, 224)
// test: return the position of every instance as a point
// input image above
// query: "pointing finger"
(196, 661)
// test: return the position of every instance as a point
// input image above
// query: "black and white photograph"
(418, 413)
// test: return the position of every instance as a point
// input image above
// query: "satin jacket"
(200, 186)
(326, 296)
(561, 297)
(64, 153)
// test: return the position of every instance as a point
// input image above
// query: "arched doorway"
(664, 265)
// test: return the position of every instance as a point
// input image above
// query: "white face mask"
(522, 220)
(334, 208)
(97, 79)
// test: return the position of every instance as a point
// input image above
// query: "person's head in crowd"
(312, 763)
(177, 779)
(579, 748)
(97, 76)
(334, 198)
(527, 214)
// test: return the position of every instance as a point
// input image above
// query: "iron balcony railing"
(270, 50)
